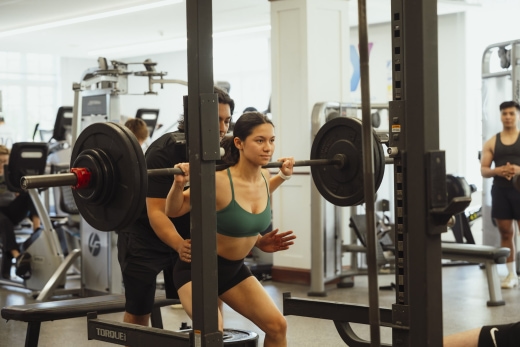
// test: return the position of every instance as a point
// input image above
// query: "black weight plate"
(127, 198)
(343, 186)
(244, 338)
(237, 338)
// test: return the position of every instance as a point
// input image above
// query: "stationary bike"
(48, 264)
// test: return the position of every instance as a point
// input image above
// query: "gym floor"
(465, 294)
(464, 303)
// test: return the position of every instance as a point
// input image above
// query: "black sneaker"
(23, 266)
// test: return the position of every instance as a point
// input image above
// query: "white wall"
(452, 89)
(307, 69)
(379, 38)
(244, 62)
(71, 70)
(168, 99)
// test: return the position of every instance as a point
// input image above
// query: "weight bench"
(36, 313)
(489, 256)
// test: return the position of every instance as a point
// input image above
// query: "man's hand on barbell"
(184, 177)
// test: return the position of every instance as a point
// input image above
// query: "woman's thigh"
(250, 299)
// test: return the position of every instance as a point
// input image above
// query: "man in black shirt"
(152, 243)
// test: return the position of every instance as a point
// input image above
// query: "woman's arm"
(178, 199)
(283, 175)
(274, 241)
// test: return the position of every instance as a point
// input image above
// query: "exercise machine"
(97, 99)
(48, 265)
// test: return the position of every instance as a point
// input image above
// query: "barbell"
(109, 177)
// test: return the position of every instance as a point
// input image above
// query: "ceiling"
(71, 28)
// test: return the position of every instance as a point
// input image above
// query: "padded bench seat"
(477, 253)
(488, 255)
(36, 313)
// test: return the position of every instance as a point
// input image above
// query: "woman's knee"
(277, 326)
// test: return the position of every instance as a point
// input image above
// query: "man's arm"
(163, 226)
(507, 171)
(486, 159)
(178, 200)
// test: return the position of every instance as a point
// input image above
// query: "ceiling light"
(243, 31)
(163, 46)
(88, 18)
(171, 45)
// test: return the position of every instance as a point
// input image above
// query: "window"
(29, 86)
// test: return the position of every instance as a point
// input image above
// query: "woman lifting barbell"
(243, 211)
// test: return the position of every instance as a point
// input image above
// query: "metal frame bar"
(203, 213)
(368, 177)
(201, 126)
(133, 335)
(415, 86)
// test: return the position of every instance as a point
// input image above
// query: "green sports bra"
(234, 221)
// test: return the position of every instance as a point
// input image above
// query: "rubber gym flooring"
(464, 302)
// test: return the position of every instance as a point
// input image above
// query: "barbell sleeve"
(46, 181)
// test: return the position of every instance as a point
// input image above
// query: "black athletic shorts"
(230, 273)
(140, 265)
(505, 203)
(507, 335)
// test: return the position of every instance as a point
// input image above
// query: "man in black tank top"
(503, 150)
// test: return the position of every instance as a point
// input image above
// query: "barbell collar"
(83, 176)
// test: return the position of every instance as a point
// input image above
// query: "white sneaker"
(510, 281)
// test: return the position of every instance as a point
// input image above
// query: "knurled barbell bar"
(80, 178)
(109, 176)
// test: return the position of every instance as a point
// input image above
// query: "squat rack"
(421, 208)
